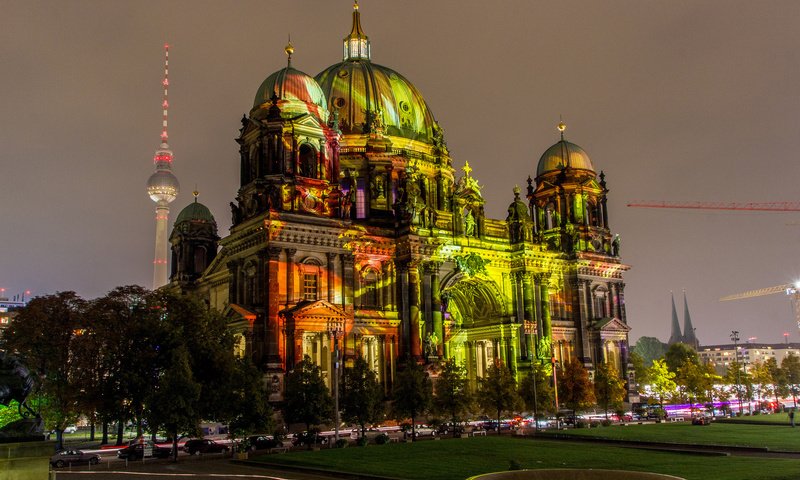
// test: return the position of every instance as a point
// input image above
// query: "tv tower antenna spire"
(162, 187)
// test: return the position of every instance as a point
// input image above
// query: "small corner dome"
(298, 93)
(563, 154)
(195, 212)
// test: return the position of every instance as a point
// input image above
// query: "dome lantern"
(356, 45)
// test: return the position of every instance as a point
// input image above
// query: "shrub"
(605, 423)
(382, 439)
(362, 441)
(341, 443)
(514, 465)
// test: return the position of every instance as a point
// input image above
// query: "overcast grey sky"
(674, 100)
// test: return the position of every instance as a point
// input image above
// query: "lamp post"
(735, 340)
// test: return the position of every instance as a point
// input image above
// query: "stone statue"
(469, 224)
(16, 383)
(431, 344)
(615, 246)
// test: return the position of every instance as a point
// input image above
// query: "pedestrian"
(791, 417)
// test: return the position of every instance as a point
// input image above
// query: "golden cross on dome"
(467, 169)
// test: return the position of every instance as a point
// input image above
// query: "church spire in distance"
(162, 187)
(356, 45)
(675, 336)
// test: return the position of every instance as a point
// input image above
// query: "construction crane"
(791, 289)
(747, 206)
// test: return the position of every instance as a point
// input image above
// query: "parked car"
(137, 451)
(71, 429)
(203, 445)
(262, 442)
(73, 457)
(309, 438)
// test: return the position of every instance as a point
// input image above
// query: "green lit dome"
(297, 93)
(358, 87)
(563, 154)
(195, 212)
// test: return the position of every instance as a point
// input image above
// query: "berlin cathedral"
(353, 235)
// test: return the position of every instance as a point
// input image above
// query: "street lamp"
(735, 339)
(335, 328)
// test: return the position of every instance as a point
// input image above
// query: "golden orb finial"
(355, 5)
(289, 49)
(195, 193)
(561, 127)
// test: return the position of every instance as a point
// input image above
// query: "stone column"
(272, 329)
(436, 300)
(414, 310)
(583, 330)
(544, 296)
(290, 253)
(331, 277)
(405, 321)
(387, 286)
(614, 300)
(621, 293)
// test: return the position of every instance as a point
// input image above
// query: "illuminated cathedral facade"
(352, 234)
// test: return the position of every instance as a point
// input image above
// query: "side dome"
(563, 154)
(195, 212)
(297, 92)
(357, 88)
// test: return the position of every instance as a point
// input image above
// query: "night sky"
(674, 100)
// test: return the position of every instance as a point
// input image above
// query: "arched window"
(369, 288)
(199, 260)
(308, 161)
(549, 220)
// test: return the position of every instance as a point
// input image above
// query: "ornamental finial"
(289, 49)
(467, 169)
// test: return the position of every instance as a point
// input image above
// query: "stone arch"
(473, 301)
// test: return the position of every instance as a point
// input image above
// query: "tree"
(497, 391)
(739, 379)
(662, 381)
(120, 373)
(649, 349)
(574, 387)
(173, 403)
(250, 409)
(42, 336)
(791, 369)
(779, 383)
(451, 395)
(361, 395)
(306, 398)
(609, 388)
(640, 368)
(412, 393)
(762, 380)
(543, 401)
(695, 381)
(678, 354)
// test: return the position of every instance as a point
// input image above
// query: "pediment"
(315, 310)
(609, 325)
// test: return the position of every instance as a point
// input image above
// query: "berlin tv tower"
(162, 187)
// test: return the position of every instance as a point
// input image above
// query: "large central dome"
(365, 93)
(360, 87)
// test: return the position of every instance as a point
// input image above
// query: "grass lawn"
(453, 459)
(775, 437)
(773, 418)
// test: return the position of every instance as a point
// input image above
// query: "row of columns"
(532, 304)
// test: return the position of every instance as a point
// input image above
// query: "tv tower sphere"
(162, 186)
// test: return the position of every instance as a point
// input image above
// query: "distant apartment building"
(7, 308)
(749, 353)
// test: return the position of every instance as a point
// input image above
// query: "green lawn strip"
(772, 419)
(460, 458)
(774, 437)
